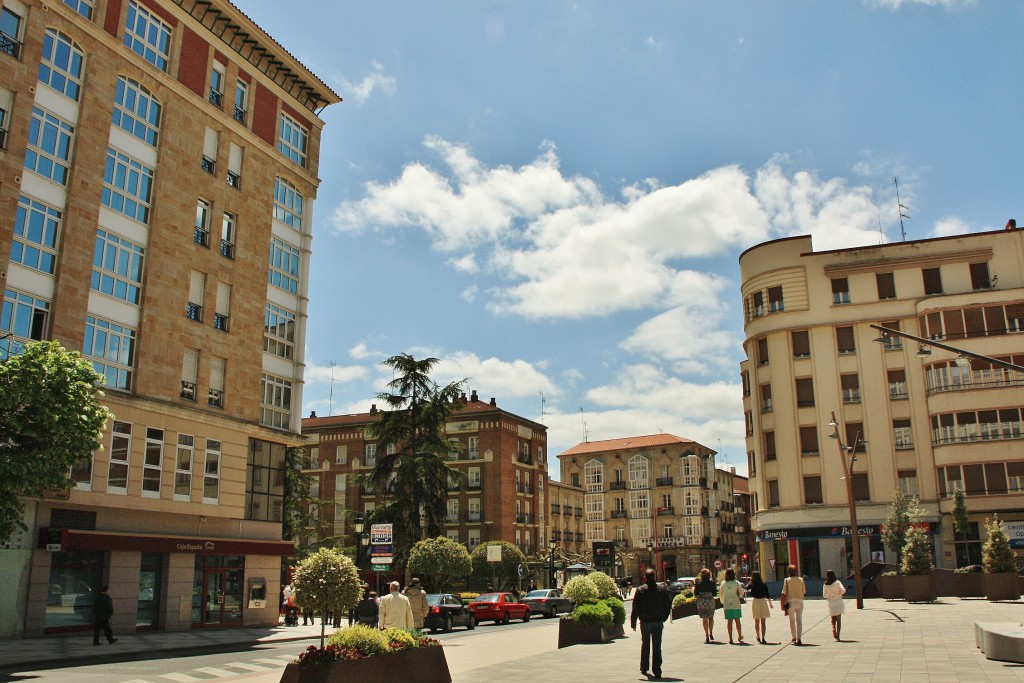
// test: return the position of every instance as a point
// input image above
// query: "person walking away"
(732, 594)
(395, 610)
(834, 591)
(652, 605)
(761, 605)
(794, 590)
(368, 610)
(102, 610)
(704, 590)
(418, 602)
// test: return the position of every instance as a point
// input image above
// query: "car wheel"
(448, 624)
(554, 611)
(505, 619)
(472, 623)
(526, 617)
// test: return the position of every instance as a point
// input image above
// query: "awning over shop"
(67, 540)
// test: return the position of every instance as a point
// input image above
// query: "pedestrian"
(794, 590)
(833, 591)
(418, 602)
(732, 595)
(533, 584)
(368, 610)
(622, 587)
(761, 607)
(102, 610)
(395, 610)
(704, 590)
(652, 605)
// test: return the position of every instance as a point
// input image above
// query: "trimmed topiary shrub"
(599, 614)
(401, 639)
(580, 590)
(683, 598)
(367, 640)
(618, 609)
(605, 585)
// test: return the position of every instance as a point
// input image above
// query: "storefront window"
(150, 582)
(781, 560)
(75, 578)
(810, 562)
(217, 590)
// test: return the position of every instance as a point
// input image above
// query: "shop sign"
(831, 532)
(1015, 532)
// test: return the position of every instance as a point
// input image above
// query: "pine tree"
(897, 523)
(998, 555)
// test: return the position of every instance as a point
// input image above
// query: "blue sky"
(551, 197)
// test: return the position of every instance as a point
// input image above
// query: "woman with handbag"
(793, 591)
(761, 607)
(732, 597)
(704, 590)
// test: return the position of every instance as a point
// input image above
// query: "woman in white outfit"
(834, 591)
(794, 590)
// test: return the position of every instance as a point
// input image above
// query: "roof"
(626, 442)
(470, 409)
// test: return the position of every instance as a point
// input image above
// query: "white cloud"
(950, 225)
(325, 374)
(465, 263)
(493, 376)
(362, 352)
(376, 80)
(469, 293)
(897, 4)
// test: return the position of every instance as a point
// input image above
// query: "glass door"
(213, 600)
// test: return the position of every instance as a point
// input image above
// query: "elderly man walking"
(418, 601)
(395, 610)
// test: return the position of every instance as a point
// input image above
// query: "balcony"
(208, 165)
(619, 514)
(234, 180)
(188, 390)
(240, 115)
(579, 512)
(580, 536)
(474, 486)
(215, 398)
(666, 511)
(220, 322)
(524, 487)
(556, 535)
(663, 481)
(3, 138)
(706, 540)
(194, 312)
(703, 482)
(473, 455)
(704, 512)
(524, 458)
(216, 97)
(617, 486)
(556, 509)
(227, 249)
(9, 45)
(523, 518)
(473, 517)
(201, 236)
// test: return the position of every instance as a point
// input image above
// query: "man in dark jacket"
(101, 613)
(652, 605)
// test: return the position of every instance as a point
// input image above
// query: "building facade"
(661, 500)
(921, 420)
(159, 166)
(503, 475)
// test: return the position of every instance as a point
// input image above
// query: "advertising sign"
(1015, 532)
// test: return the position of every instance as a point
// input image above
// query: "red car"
(499, 608)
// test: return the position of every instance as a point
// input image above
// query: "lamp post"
(848, 455)
(552, 544)
(650, 557)
(923, 349)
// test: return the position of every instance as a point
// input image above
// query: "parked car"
(681, 584)
(547, 601)
(499, 608)
(446, 611)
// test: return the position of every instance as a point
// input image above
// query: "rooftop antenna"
(330, 404)
(725, 458)
(541, 406)
(900, 208)
(585, 440)
(881, 235)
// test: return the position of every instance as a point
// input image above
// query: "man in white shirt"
(395, 610)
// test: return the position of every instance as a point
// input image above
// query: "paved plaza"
(885, 642)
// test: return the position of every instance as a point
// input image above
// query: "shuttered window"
(861, 490)
(223, 310)
(886, 286)
(217, 367)
(844, 340)
(801, 344)
(769, 445)
(974, 479)
(995, 478)
(804, 392)
(954, 324)
(809, 440)
(812, 490)
(979, 276)
(210, 142)
(932, 281)
(762, 351)
(196, 289)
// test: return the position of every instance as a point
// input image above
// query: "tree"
(897, 523)
(507, 570)
(438, 561)
(302, 510)
(917, 554)
(999, 556)
(51, 418)
(414, 474)
(961, 525)
(326, 580)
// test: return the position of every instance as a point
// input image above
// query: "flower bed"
(360, 653)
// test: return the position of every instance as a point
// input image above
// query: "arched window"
(287, 204)
(639, 472)
(136, 110)
(61, 64)
(593, 473)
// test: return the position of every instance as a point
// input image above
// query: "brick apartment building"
(158, 165)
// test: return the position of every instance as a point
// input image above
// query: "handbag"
(784, 604)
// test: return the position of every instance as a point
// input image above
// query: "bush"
(597, 613)
(617, 608)
(605, 585)
(683, 599)
(401, 639)
(358, 641)
(580, 590)
(366, 639)
(969, 569)
(998, 554)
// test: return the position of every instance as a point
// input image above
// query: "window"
(897, 384)
(83, 7)
(908, 483)
(117, 267)
(473, 447)
(575, 479)
(49, 146)
(594, 476)
(227, 236)
(147, 36)
(189, 373)
(10, 30)
(773, 493)
(775, 302)
(6, 99)
(235, 167)
(762, 351)
(902, 434)
(932, 280)
(639, 504)
(748, 421)
(25, 318)
(215, 396)
(217, 84)
(769, 446)
(120, 451)
(202, 229)
(36, 233)
(844, 340)
(370, 455)
(241, 101)
(222, 311)
(892, 341)
(757, 304)
(809, 440)
(196, 291)
(804, 392)
(1015, 476)
(153, 463)
(126, 185)
(183, 467)
(111, 348)
(264, 487)
(292, 139)
(278, 331)
(136, 110)
(745, 382)
(979, 276)
(275, 401)
(594, 506)
(812, 491)
(211, 139)
(1015, 317)
(851, 388)
(284, 266)
(639, 470)
(473, 480)
(886, 286)
(211, 476)
(840, 290)
(287, 204)
(861, 491)
(60, 65)
(855, 435)
(801, 344)
(766, 398)
(751, 464)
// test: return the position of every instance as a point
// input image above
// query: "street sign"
(771, 563)
(746, 568)
(521, 572)
(381, 534)
(494, 553)
(380, 567)
(383, 559)
(718, 564)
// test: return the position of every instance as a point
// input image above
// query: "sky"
(551, 197)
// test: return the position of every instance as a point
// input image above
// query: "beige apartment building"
(159, 165)
(661, 499)
(924, 421)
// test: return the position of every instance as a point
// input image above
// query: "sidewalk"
(885, 642)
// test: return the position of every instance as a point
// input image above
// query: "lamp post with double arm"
(552, 544)
(848, 456)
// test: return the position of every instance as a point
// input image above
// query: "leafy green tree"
(997, 553)
(326, 580)
(897, 523)
(438, 561)
(51, 418)
(501, 573)
(415, 476)
(917, 554)
(302, 518)
(961, 524)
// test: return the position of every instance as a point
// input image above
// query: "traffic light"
(744, 557)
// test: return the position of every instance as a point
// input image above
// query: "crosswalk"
(209, 673)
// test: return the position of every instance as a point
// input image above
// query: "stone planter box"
(422, 665)
(570, 633)
(890, 587)
(920, 588)
(969, 585)
(1001, 586)
(687, 609)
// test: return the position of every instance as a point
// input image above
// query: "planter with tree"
(684, 605)
(598, 615)
(918, 570)
(967, 581)
(1000, 577)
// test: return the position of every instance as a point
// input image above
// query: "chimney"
(494, 402)
(1011, 224)
(312, 413)
(473, 397)
(373, 409)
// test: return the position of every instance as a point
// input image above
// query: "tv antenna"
(330, 402)
(585, 438)
(541, 406)
(900, 208)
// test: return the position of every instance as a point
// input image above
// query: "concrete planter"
(969, 585)
(570, 633)
(687, 609)
(1001, 586)
(890, 587)
(920, 588)
(422, 665)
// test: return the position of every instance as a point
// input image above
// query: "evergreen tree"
(897, 523)
(999, 556)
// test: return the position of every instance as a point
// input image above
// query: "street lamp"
(963, 355)
(650, 557)
(552, 544)
(358, 524)
(848, 455)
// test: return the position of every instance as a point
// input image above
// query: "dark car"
(499, 608)
(547, 601)
(446, 611)
(681, 584)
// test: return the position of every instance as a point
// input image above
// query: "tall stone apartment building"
(923, 420)
(502, 494)
(157, 176)
(661, 491)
